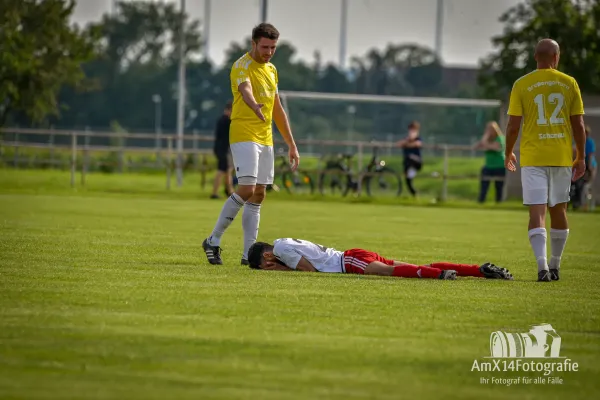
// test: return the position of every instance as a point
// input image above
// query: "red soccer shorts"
(356, 260)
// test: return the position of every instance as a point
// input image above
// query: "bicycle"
(337, 176)
(379, 177)
(294, 181)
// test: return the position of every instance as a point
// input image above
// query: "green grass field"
(105, 293)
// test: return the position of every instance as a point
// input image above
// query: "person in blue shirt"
(590, 155)
(583, 186)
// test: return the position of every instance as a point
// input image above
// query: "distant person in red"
(289, 254)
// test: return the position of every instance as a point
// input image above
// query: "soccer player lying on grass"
(301, 255)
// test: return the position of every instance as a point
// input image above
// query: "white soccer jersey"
(324, 259)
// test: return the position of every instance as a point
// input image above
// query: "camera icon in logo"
(541, 341)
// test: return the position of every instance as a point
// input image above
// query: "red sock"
(461, 269)
(414, 271)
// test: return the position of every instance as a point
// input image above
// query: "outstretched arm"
(245, 89)
(283, 125)
(414, 144)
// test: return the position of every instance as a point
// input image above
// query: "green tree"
(40, 51)
(138, 58)
(399, 70)
(575, 25)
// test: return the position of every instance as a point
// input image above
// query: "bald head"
(547, 53)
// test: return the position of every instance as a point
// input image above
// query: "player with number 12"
(549, 104)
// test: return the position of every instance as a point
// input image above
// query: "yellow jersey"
(245, 125)
(546, 99)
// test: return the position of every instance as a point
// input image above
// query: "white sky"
(315, 24)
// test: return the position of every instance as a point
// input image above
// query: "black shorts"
(223, 162)
(412, 162)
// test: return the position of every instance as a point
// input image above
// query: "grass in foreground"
(110, 297)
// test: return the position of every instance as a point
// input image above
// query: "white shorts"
(254, 163)
(546, 185)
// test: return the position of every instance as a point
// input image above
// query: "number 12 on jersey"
(554, 98)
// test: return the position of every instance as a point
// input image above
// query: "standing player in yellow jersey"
(550, 106)
(256, 105)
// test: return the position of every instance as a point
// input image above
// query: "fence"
(78, 143)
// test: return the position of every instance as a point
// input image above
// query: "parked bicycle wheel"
(334, 181)
(297, 183)
(383, 182)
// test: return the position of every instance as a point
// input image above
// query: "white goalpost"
(352, 99)
(285, 95)
(441, 101)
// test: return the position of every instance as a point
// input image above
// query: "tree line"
(119, 71)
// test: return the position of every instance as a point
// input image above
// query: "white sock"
(537, 238)
(250, 222)
(558, 239)
(228, 212)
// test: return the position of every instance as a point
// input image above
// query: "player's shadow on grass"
(317, 275)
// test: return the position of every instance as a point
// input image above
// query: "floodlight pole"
(439, 27)
(343, 33)
(181, 96)
(263, 10)
(206, 29)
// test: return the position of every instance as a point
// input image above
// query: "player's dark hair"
(255, 254)
(266, 31)
(414, 125)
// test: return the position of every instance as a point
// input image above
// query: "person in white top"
(289, 254)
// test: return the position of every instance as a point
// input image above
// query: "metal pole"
(157, 99)
(206, 29)
(445, 177)
(169, 160)
(181, 97)
(263, 10)
(360, 174)
(86, 155)
(73, 157)
(439, 26)
(51, 142)
(195, 147)
(343, 33)
(350, 127)
(16, 151)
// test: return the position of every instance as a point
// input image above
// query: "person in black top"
(411, 148)
(222, 152)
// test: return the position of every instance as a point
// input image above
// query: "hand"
(511, 162)
(578, 169)
(294, 158)
(258, 112)
(275, 266)
(269, 265)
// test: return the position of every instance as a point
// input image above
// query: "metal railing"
(165, 153)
